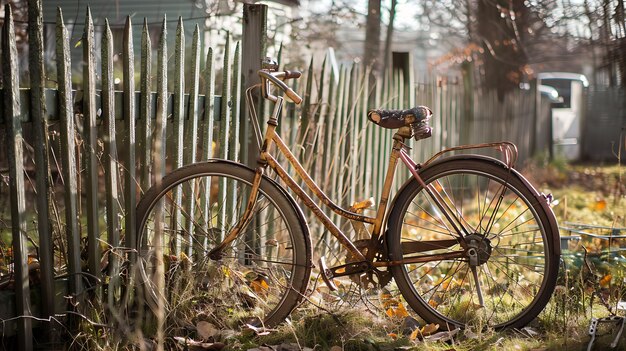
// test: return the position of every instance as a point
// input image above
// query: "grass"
(591, 283)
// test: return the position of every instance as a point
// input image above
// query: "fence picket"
(15, 138)
(145, 111)
(159, 141)
(130, 191)
(208, 124)
(224, 129)
(68, 160)
(91, 145)
(179, 122)
(42, 169)
(191, 136)
(159, 146)
(235, 103)
(110, 162)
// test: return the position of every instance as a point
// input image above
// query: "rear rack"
(508, 150)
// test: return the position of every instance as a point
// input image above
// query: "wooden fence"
(79, 160)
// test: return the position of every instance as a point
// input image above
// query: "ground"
(589, 202)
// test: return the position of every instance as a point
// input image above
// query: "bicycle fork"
(244, 220)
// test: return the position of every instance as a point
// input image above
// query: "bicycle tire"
(271, 256)
(441, 291)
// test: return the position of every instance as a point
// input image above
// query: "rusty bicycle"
(467, 239)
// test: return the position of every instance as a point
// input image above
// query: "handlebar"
(277, 79)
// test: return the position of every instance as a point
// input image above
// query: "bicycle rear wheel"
(501, 273)
(260, 277)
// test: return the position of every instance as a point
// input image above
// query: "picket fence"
(80, 156)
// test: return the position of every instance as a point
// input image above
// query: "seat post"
(403, 133)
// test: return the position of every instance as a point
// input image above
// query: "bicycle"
(467, 239)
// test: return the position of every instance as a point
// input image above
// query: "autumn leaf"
(260, 286)
(426, 330)
(600, 205)
(606, 280)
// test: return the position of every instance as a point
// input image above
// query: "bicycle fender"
(539, 198)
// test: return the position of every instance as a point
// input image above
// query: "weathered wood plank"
(207, 127)
(130, 191)
(159, 150)
(145, 107)
(224, 129)
(225, 122)
(328, 156)
(254, 46)
(179, 119)
(41, 146)
(235, 100)
(209, 105)
(191, 138)
(15, 139)
(304, 136)
(110, 163)
(159, 139)
(91, 146)
(68, 159)
(191, 128)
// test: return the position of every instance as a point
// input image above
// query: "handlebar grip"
(292, 74)
(275, 79)
(293, 96)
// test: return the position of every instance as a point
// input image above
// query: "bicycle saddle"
(394, 119)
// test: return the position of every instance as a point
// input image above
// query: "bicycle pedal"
(327, 274)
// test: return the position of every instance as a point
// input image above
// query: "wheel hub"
(478, 249)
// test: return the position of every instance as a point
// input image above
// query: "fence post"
(254, 46)
(15, 139)
(42, 170)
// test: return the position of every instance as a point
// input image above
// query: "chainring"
(367, 280)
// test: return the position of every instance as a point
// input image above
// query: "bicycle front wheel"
(258, 279)
(483, 255)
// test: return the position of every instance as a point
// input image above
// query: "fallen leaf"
(206, 330)
(600, 205)
(260, 286)
(426, 330)
(606, 280)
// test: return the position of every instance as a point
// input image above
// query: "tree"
(501, 32)
(371, 54)
(389, 37)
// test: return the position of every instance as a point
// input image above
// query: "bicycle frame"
(398, 152)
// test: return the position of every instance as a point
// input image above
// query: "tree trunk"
(389, 39)
(501, 29)
(371, 56)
